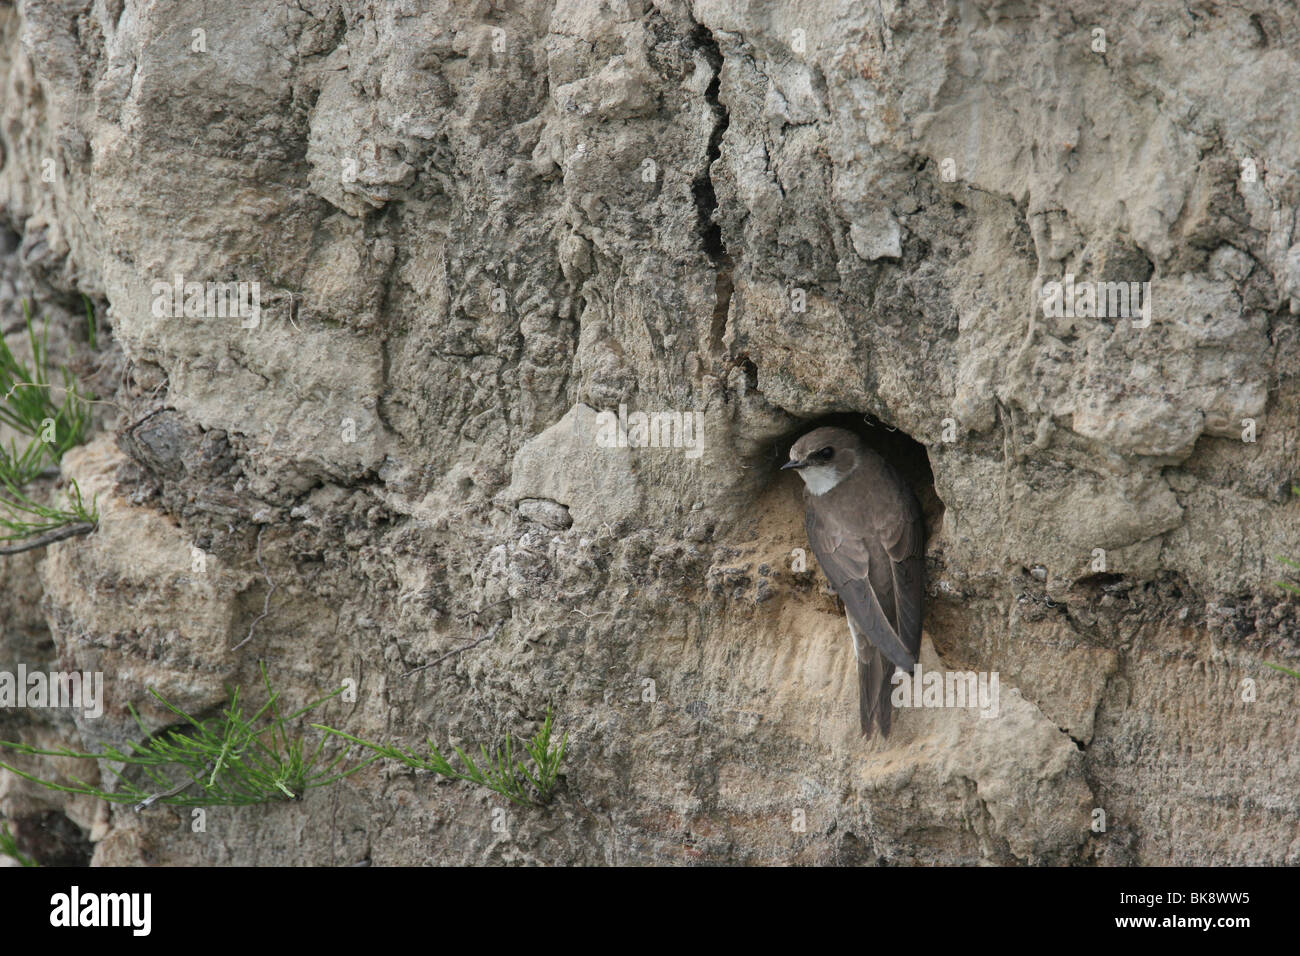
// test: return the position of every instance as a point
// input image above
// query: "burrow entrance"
(897, 447)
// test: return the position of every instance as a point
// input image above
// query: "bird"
(865, 527)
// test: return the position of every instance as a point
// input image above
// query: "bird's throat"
(820, 479)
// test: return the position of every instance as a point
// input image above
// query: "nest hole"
(908, 456)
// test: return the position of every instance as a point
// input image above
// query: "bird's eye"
(826, 454)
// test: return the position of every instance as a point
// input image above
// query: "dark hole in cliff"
(908, 456)
(1102, 581)
(706, 200)
(52, 839)
(9, 241)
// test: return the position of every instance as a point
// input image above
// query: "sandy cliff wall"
(475, 225)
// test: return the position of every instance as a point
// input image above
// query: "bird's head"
(825, 457)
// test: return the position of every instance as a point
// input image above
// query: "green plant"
(1284, 670)
(90, 323)
(21, 516)
(501, 772)
(1294, 589)
(9, 847)
(50, 427)
(239, 760)
(29, 406)
(231, 760)
(1287, 585)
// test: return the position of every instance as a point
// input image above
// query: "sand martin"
(865, 527)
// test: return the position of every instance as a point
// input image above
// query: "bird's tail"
(875, 682)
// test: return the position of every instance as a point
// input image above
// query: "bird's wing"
(875, 677)
(845, 555)
(904, 542)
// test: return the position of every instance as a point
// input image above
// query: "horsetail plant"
(231, 760)
(1292, 588)
(51, 427)
(29, 406)
(9, 847)
(500, 772)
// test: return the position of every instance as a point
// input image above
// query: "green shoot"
(237, 759)
(500, 772)
(22, 516)
(50, 427)
(90, 322)
(27, 402)
(9, 847)
(1293, 564)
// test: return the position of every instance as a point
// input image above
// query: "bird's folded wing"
(846, 560)
(875, 678)
(904, 549)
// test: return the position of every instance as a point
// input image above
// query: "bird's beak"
(794, 464)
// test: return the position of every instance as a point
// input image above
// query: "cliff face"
(474, 226)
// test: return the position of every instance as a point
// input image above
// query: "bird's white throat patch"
(820, 478)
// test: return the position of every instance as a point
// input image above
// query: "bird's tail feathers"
(875, 675)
